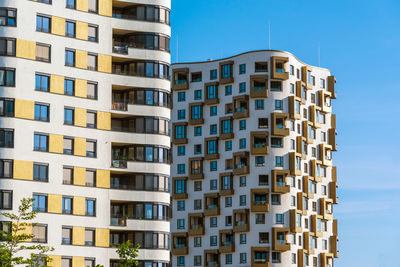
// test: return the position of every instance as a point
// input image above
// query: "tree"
(127, 254)
(13, 240)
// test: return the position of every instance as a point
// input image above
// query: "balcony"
(226, 128)
(332, 192)
(139, 181)
(180, 79)
(119, 221)
(241, 220)
(325, 153)
(332, 138)
(211, 93)
(140, 68)
(226, 72)
(279, 181)
(211, 258)
(196, 224)
(211, 204)
(120, 48)
(294, 107)
(331, 86)
(241, 106)
(295, 221)
(327, 259)
(119, 163)
(123, 40)
(227, 241)
(279, 242)
(179, 243)
(295, 163)
(326, 208)
(211, 148)
(226, 184)
(259, 143)
(149, 13)
(278, 68)
(259, 86)
(181, 192)
(259, 200)
(241, 163)
(196, 113)
(179, 137)
(306, 77)
(324, 101)
(123, 96)
(259, 256)
(278, 121)
(196, 168)
(135, 124)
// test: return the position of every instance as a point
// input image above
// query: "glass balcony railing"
(123, 164)
(212, 263)
(259, 88)
(281, 241)
(240, 223)
(118, 221)
(280, 183)
(196, 226)
(180, 246)
(120, 48)
(180, 81)
(260, 202)
(260, 145)
(280, 70)
(212, 207)
(258, 261)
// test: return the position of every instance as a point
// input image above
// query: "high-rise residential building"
(84, 123)
(252, 177)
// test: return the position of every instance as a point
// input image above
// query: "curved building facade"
(252, 178)
(85, 111)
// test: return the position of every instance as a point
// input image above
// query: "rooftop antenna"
(319, 55)
(269, 35)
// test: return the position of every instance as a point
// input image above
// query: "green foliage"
(127, 254)
(14, 240)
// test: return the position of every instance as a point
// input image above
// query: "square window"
(263, 123)
(275, 199)
(276, 257)
(41, 112)
(260, 160)
(196, 77)
(260, 218)
(42, 82)
(263, 179)
(263, 238)
(242, 87)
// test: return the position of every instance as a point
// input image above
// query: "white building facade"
(252, 177)
(85, 110)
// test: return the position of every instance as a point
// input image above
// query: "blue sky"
(360, 44)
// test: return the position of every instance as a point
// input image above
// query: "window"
(181, 114)
(41, 142)
(69, 87)
(228, 90)
(292, 88)
(92, 62)
(68, 116)
(242, 143)
(260, 218)
(43, 23)
(243, 239)
(197, 95)
(180, 131)
(197, 185)
(66, 262)
(90, 178)
(70, 4)
(242, 68)
(67, 205)
(213, 223)
(278, 105)
(67, 175)
(91, 119)
(90, 149)
(242, 181)
(39, 233)
(91, 91)
(261, 66)
(7, 77)
(6, 138)
(93, 6)
(242, 200)
(276, 142)
(6, 199)
(228, 220)
(90, 207)
(213, 129)
(70, 29)
(181, 96)
(228, 258)
(213, 111)
(228, 201)
(69, 58)
(180, 260)
(263, 238)
(228, 145)
(279, 218)
(181, 150)
(275, 199)
(197, 260)
(7, 47)
(197, 204)
(40, 172)
(259, 104)
(42, 82)
(39, 203)
(8, 17)
(211, 92)
(276, 257)
(66, 238)
(213, 74)
(181, 223)
(197, 241)
(89, 262)
(197, 149)
(322, 83)
(242, 125)
(213, 238)
(213, 184)
(181, 168)
(292, 70)
(260, 160)
(243, 257)
(89, 237)
(42, 52)
(213, 166)
(242, 87)
(180, 205)
(276, 86)
(92, 33)
(41, 112)
(278, 161)
(68, 145)
(196, 77)
(197, 131)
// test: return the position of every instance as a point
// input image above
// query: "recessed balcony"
(241, 220)
(241, 163)
(211, 204)
(259, 200)
(196, 224)
(180, 243)
(279, 241)
(241, 106)
(227, 241)
(259, 86)
(279, 68)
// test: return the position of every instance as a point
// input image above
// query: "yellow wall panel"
(24, 109)
(80, 117)
(27, 230)
(103, 120)
(104, 63)
(102, 238)
(78, 204)
(82, 30)
(23, 170)
(58, 25)
(78, 235)
(26, 49)
(105, 7)
(80, 146)
(80, 88)
(54, 203)
(103, 178)
(56, 143)
(79, 176)
(55, 261)
(57, 84)
(82, 5)
(81, 59)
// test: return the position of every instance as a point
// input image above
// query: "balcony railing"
(240, 223)
(120, 48)
(260, 202)
(258, 261)
(212, 263)
(259, 88)
(120, 106)
(280, 183)
(180, 81)
(280, 70)
(123, 164)
(281, 242)
(196, 226)
(118, 221)
(180, 246)
(212, 207)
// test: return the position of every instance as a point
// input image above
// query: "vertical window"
(8, 17)
(90, 179)
(91, 119)
(69, 116)
(67, 205)
(197, 259)
(197, 131)
(213, 166)
(242, 181)
(292, 70)
(92, 33)
(180, 224)
(5, 199)
(242, 87)
(66, 238)
(67, 175)
(69, 87)
(90, 207)
(279, 218)
(68, 145)
(181, 205)
(259, 104)
(93, 6)
(213, 184)
(181, 150)
(278, 105)
(69, 58)
(228, 90)
(43, 52)
(41, 142)
(89, 262)
(70, 29)
(42, 82)
(243, 239)
(242, 199)
(91, 90)
(6, 138)
(278, 161)
(89, 237)
(7, 77)
(92, 62)
(6, 168)
(228, 259)
(40, 172)
(7, 107)
(213, 74)
(181, 96)
(243, 257)
(41, 112)
(7, 47)
(242, 143)
(242, 68)
(197, 95)
(197, 185)
(39, 203)
(43, 23)
(90, 149)
(181, 168)
(242, 125)
(180, 260)
(66, 262)
(228, 145)
(213, 111)
(181, 114)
